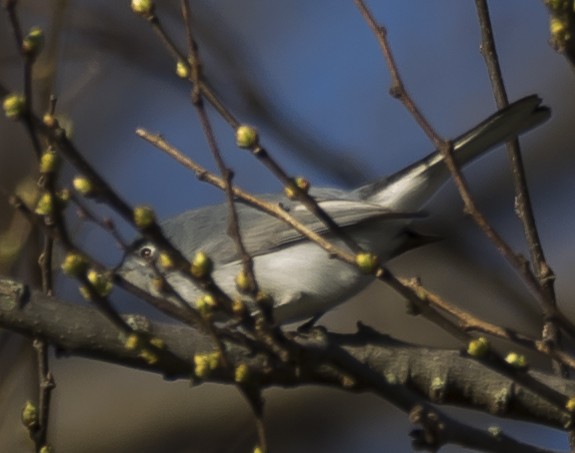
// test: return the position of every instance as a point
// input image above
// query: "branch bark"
(442, 376)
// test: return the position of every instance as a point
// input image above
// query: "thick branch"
(442, 376)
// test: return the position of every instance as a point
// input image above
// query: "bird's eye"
(147, 252)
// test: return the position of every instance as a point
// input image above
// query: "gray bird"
(300, 276)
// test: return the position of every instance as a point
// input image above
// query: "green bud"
(239, 308)
(148, 356)
(290, 192)
(30, 416)
(302, 183)
(74, 264)
(205, 304)
(45, 205)
(367, 262)
(101, 282)
(33, 42)
(246, 136)
(241, 373)
(516, 360)
(144, 8)
(132, 342)
(14, 105)
(49, 162)
(144, 216)
(62, 198)
(244, 282)
(83, 185)
(495, 431)
(49, 120)
(478, 347)
(557, 27)
(165, 261)
(205, 363)
(157, 343)
(214, 359)
(201, 265)
(299, 182)
(201, 366)
(182, 69)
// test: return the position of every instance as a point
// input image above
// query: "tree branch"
(442, 376)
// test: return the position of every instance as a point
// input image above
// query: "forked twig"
(518, 262)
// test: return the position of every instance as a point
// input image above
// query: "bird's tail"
(409, 189)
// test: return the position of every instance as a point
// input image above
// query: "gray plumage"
(300, 276)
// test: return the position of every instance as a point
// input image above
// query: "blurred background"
(311, 77)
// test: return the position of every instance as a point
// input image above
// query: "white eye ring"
(147, 252)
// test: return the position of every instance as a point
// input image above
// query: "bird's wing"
(261, 232)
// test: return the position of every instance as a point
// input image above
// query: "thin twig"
(545, 276)
(46, 385)
(227, 174)
(257, 150)
(518, 262)
(471, 323)
(381, 273)
(179, 56)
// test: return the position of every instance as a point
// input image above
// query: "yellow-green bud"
(165, 261)
(290, 192)
(182, 69)
(367, 262)
(244, 282)
(478, 347)
(143, 8)
(201, 366)
(302, 183)
(13, 106)
(132, 342)
(157, 343)
(45, 205)
(201, 265)
(138, 323)
(30, 415)
(557, 26)
(49, 120)
(144, 216)
(246, 136)
(516, 360)
(74, 264)
(101, 282)
(62, 197)
(495, 431)
(239, 308)
(83, 185)
(258, 449)
(205, 304)
(33, 42)
(214, 359)
(148, 356)
(241, 373)
(49, 161)
(570, 404)
(46, 449)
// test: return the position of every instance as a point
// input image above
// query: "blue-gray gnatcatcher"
(302, 278)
